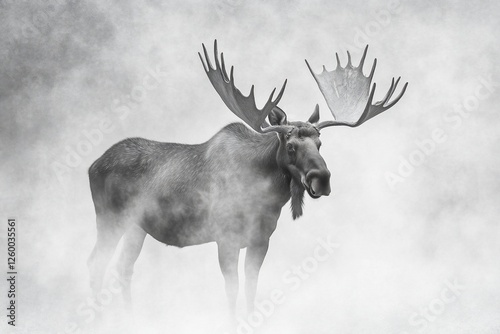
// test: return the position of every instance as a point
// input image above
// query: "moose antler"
(242, 106)
(347, 93)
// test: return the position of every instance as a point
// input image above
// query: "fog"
(413, 213)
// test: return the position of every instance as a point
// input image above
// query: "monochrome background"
(412, 215)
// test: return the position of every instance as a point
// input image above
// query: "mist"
(409, 235)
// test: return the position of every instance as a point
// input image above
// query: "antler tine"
(372, 94)
(379, 107)
(242, 106)
(251, 91)
(223, 66)
(270, 99)
(349, 63)
(389, 92)
(362, 61)
(398, 97)
(349, 95)
(231, 78)
(338, 60)
(202, 62)
(309, 67)
(373, 68)
(216, 56)
(280, 94)
(393, 88)
(209, 64)
(366, 113)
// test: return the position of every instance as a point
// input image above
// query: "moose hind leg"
(253, 261)
(133, 241)
(228, 261)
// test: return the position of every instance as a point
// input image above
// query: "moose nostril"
(318, 182)
(315, 186)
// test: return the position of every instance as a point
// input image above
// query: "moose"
(229, 190)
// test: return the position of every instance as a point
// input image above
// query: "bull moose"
(230, 189)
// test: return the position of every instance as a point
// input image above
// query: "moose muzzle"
(317, 183)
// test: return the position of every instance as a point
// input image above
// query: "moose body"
(230, 189)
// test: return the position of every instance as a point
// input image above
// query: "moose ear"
(315, 116)
(277, 117)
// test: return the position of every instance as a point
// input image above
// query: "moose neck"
(273, 153)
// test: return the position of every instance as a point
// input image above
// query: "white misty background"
(66, 64)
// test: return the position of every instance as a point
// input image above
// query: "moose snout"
(318, 182)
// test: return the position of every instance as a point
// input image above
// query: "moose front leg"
(133, 241)
(228, 261)
(253, 261)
